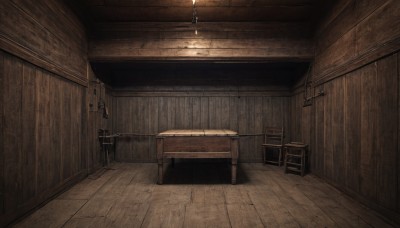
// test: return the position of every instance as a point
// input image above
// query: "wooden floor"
(199, 195)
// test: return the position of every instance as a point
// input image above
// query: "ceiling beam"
(134, 49)
(213, 41)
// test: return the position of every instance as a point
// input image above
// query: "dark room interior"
(200, 113)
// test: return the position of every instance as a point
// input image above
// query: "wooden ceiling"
(207, 10)
(100, 13)
(124, 33)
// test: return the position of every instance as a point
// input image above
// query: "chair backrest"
(274, 135)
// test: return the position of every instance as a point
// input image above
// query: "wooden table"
(197, 144)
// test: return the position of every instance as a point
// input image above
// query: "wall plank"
(398, 130)
(336, 125)
(2, 146)
(143, 114)
(251, 150)
(328, 133)
(233, 113)
(12, 133)
(204, 113)
(319, 136)
(368, 132)
(123, 106)
(387, 117)
(43, 130)
(77, 98)
(55, 128)
(352, 123)
(153, 123)
(163, 117)
(67, 133)
(243, 128)
(196, 101)
(28, 134)
(258, 127)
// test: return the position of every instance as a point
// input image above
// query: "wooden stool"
(295, 157)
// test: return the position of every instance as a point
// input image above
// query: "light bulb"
(195, 32)
(194, 2)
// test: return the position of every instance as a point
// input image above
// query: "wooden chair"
(273, 143)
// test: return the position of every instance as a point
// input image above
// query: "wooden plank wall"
(43, 59)
(354, 127)
(153, 114)
(47, 34)
(40, 153)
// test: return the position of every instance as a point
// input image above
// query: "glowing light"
(194, 2)
(195, 31)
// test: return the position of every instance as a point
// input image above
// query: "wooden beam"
(276, 93)
(205, 13)
(136, 49)
(206, 30)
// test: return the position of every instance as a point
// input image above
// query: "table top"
(198, 132)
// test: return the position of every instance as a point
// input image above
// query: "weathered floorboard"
(129, 196)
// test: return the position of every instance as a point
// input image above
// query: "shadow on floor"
(202, 171)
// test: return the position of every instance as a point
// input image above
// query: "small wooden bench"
(295, 157)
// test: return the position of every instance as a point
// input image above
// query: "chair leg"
(279, 157)
(284, 163)
(302, 163)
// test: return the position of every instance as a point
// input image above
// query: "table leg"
(160, 172)
(234, 171)
(160, 159)
(235, 157)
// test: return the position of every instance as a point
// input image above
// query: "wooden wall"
(148, 113)
(46, 34)
(43, 80)
(42, 134)
(353, 129)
